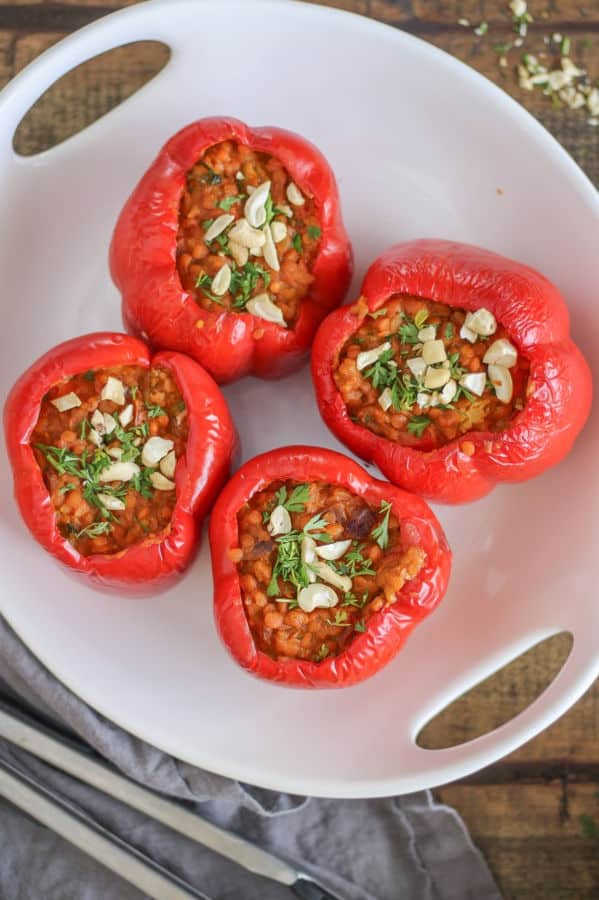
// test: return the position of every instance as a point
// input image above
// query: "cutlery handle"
(70, 823)
(60, 752)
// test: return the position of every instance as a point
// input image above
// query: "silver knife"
(77, 759)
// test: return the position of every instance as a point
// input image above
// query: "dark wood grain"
(525, 811)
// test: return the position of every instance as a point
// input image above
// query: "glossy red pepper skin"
(536, 317)
(143, 259)
(387, 630)
(148, 566)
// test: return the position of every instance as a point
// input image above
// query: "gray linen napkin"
(396, 848)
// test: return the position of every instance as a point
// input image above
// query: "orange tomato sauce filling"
(278, 269)
(392, 400)
(110, 481)
(282, 572)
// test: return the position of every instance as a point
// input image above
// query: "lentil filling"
(247, 237)
(107, 442)
(315, 562)
(422, 373)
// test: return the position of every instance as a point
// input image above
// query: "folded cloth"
(396, 848)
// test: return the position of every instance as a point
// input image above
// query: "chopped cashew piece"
(255, 210)
(468, 335)
(449, 392)
(126, 415)
(436, 378)
(317, 596)
(96, 438)
(428, 333)
(110, 423)
(218, 226)
(482, 322)
(111, 502)
(115, 452)
(155, 449)
(423, 400)
(308, 554)
(343, 582)
(501, 380)
(385, 399)
(114, 390)
(263, 307)
(334, 550)
(97, 421)
(160, 483)
(243, 233)
(278, 231)
(475, 382)
(294, 195)
(269, 250)
(433, 352)
(501, 353)
(368, 357)
(168, 464)
(239, 253)
(66, 402)
(119, 471)
(417, 366)
(222, 280)
(279, 522)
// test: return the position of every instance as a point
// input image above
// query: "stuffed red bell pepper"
(232, 249)
(453, 371)
(116, 456)
(321, 571)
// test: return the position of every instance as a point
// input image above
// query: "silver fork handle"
(90, 837)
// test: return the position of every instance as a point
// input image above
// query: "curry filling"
(315, 562)
(423, 373)
(107, 442)
(248, 237)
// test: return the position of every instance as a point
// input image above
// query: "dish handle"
(570, 683)
(146, 22)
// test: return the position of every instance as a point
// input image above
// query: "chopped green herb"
(340, 620)
(323, 653)
(142, 483)
(377, 314)
(298, 499)
(482, 29)
(565, 47)
(314, 232)
(502, 48)
(134, 389)
(350, 599)
(244, 281)
(154, 410)
(83, 428)
(418, 424)
(89, 375)
(94, 530)
(203, 281)
(360, 626)
(227, 202)
(355, 564)
(420, 318)
(207, 223)
(408, 333)
(297, 243)
(449, 331)
(223, 242)
(381, 533)
(67, 487)
(380, 373)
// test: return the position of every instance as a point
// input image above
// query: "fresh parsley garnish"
(207, 223)
(227, 202)
(154, 410)
(380, 373)
(377, 313)
(298, 499)
(297, 243)
(449, 331)
(418, 424)
(94, 530)
(340, 620)
(420, 318)
(354, 563)
(203, 282)
(322, 653)
(350, 599)
(314, 232)
(360, 626)
(244, 281)
(381, 533)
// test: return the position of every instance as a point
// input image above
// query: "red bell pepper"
(536, 317)
(143, 259)
(200, 472)
(386, 630)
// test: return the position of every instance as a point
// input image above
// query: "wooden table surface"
(535, 814)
